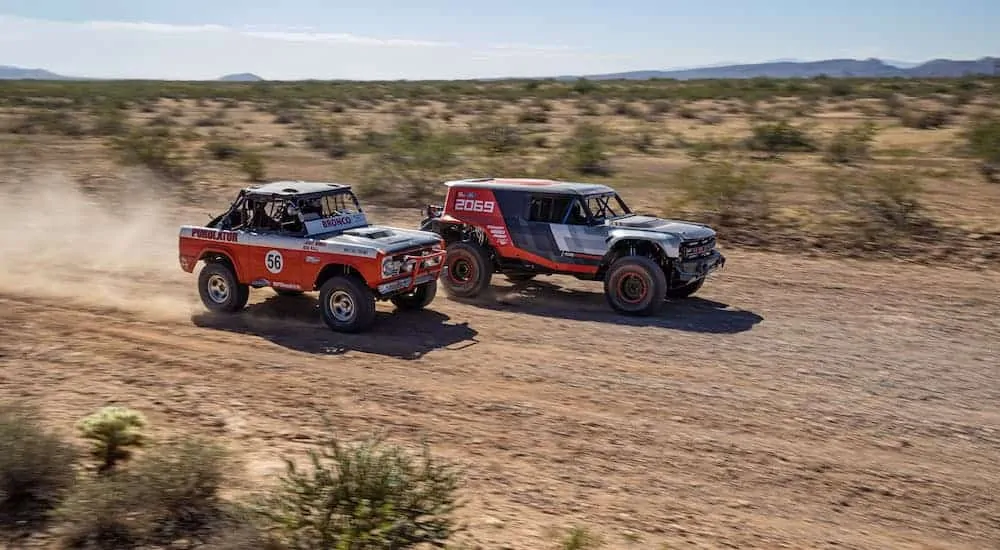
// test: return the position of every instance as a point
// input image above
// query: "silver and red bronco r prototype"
(527, 227)
(296, 236)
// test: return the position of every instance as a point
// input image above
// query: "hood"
(389, 239)
(685, 230)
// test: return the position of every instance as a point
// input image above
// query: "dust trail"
(116, 250)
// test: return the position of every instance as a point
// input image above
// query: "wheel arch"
(218, 255)
(335, 269)
(626, 245)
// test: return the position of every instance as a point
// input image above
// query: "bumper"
(696, 269)
(421, 273)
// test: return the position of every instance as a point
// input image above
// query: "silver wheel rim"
(341, 305)
(218, 289)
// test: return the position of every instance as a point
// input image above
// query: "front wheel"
(686, 290)
(346, 304)
(220, 290)
(635, 285)
(467, 270)
(417, 299)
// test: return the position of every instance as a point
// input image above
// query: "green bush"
(222, 150)
(113, 432)
(252, 165)
(170, 493)
(37, 469)
(586, 150)
(726, 192)
(156, 149)
(410, 164)
(850, 145)
(493, 136)
(878, 202)
(925, 120)
(364, 496)
(779, 137)
(983, 141)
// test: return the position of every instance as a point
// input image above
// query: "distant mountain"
(867, 68)
(242, 77)
(18, 73)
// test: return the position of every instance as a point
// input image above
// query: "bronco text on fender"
(527, 227)
(299, 236)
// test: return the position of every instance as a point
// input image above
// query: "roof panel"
(532, 184)
(296, 187)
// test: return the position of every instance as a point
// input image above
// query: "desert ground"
(834, 387)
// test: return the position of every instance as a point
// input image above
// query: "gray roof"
(295, 188)
(536, 185)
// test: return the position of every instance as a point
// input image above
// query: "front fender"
(669, 244)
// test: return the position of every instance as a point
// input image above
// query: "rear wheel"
(220, 290)
(467, 270)
(635, 285)
(346, 304)
(418, 298)
(686, 290)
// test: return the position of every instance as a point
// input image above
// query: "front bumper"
(426, 268)
(690, 270)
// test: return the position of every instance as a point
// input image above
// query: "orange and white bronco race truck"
(295, 237)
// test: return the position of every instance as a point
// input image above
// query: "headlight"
(391, 267)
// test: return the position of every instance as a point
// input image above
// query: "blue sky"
(379, 39)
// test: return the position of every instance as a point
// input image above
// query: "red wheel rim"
(462, 270)
(633, 287)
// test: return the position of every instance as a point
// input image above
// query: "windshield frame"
(605, 203)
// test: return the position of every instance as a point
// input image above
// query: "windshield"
(606, 206)
(331, 205)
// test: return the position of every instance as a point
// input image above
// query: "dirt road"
(796, 403)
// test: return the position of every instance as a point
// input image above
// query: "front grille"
(697, 248)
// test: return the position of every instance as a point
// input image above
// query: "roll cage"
(591, 209)
(284, 213)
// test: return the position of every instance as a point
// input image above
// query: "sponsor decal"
(499, 233)
(274, 261)
(473, 205)
(215, 235)
(312, 259)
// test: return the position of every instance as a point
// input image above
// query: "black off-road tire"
(220, 290)
(686, 290)
(635, 285)
(346, 304)
(417, 299)
(467, 270)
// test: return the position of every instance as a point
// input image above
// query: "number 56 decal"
(471, 205)
(273, 261)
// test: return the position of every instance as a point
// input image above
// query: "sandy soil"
(796, 403)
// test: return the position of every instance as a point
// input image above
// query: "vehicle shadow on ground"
(294, 322)
(544, 299)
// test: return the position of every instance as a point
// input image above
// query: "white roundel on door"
(274, 261)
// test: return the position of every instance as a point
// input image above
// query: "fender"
(669, 244)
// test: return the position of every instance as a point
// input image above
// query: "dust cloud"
(115, 250)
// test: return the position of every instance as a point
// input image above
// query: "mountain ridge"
(781, 68)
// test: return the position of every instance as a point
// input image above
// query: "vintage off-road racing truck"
(526, 227)
(296, 237)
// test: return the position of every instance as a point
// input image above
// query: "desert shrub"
(850, 145)
(779, 137)
(629, 110)
(659, 108)
(252, 165)
(586, 150)
(724, 191)
(329, 138)
(494, 137)
(222, 150)
(409, 164)
(580, 538)
(36, 468)
(643, 140)
(362, 496)
(925, 120)
(157, 149)
(170, 493)
(878, 202)
(983, 141)
(533, 116)
(109, 122)
(586, 107)
(48, 122)
(113, 432)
